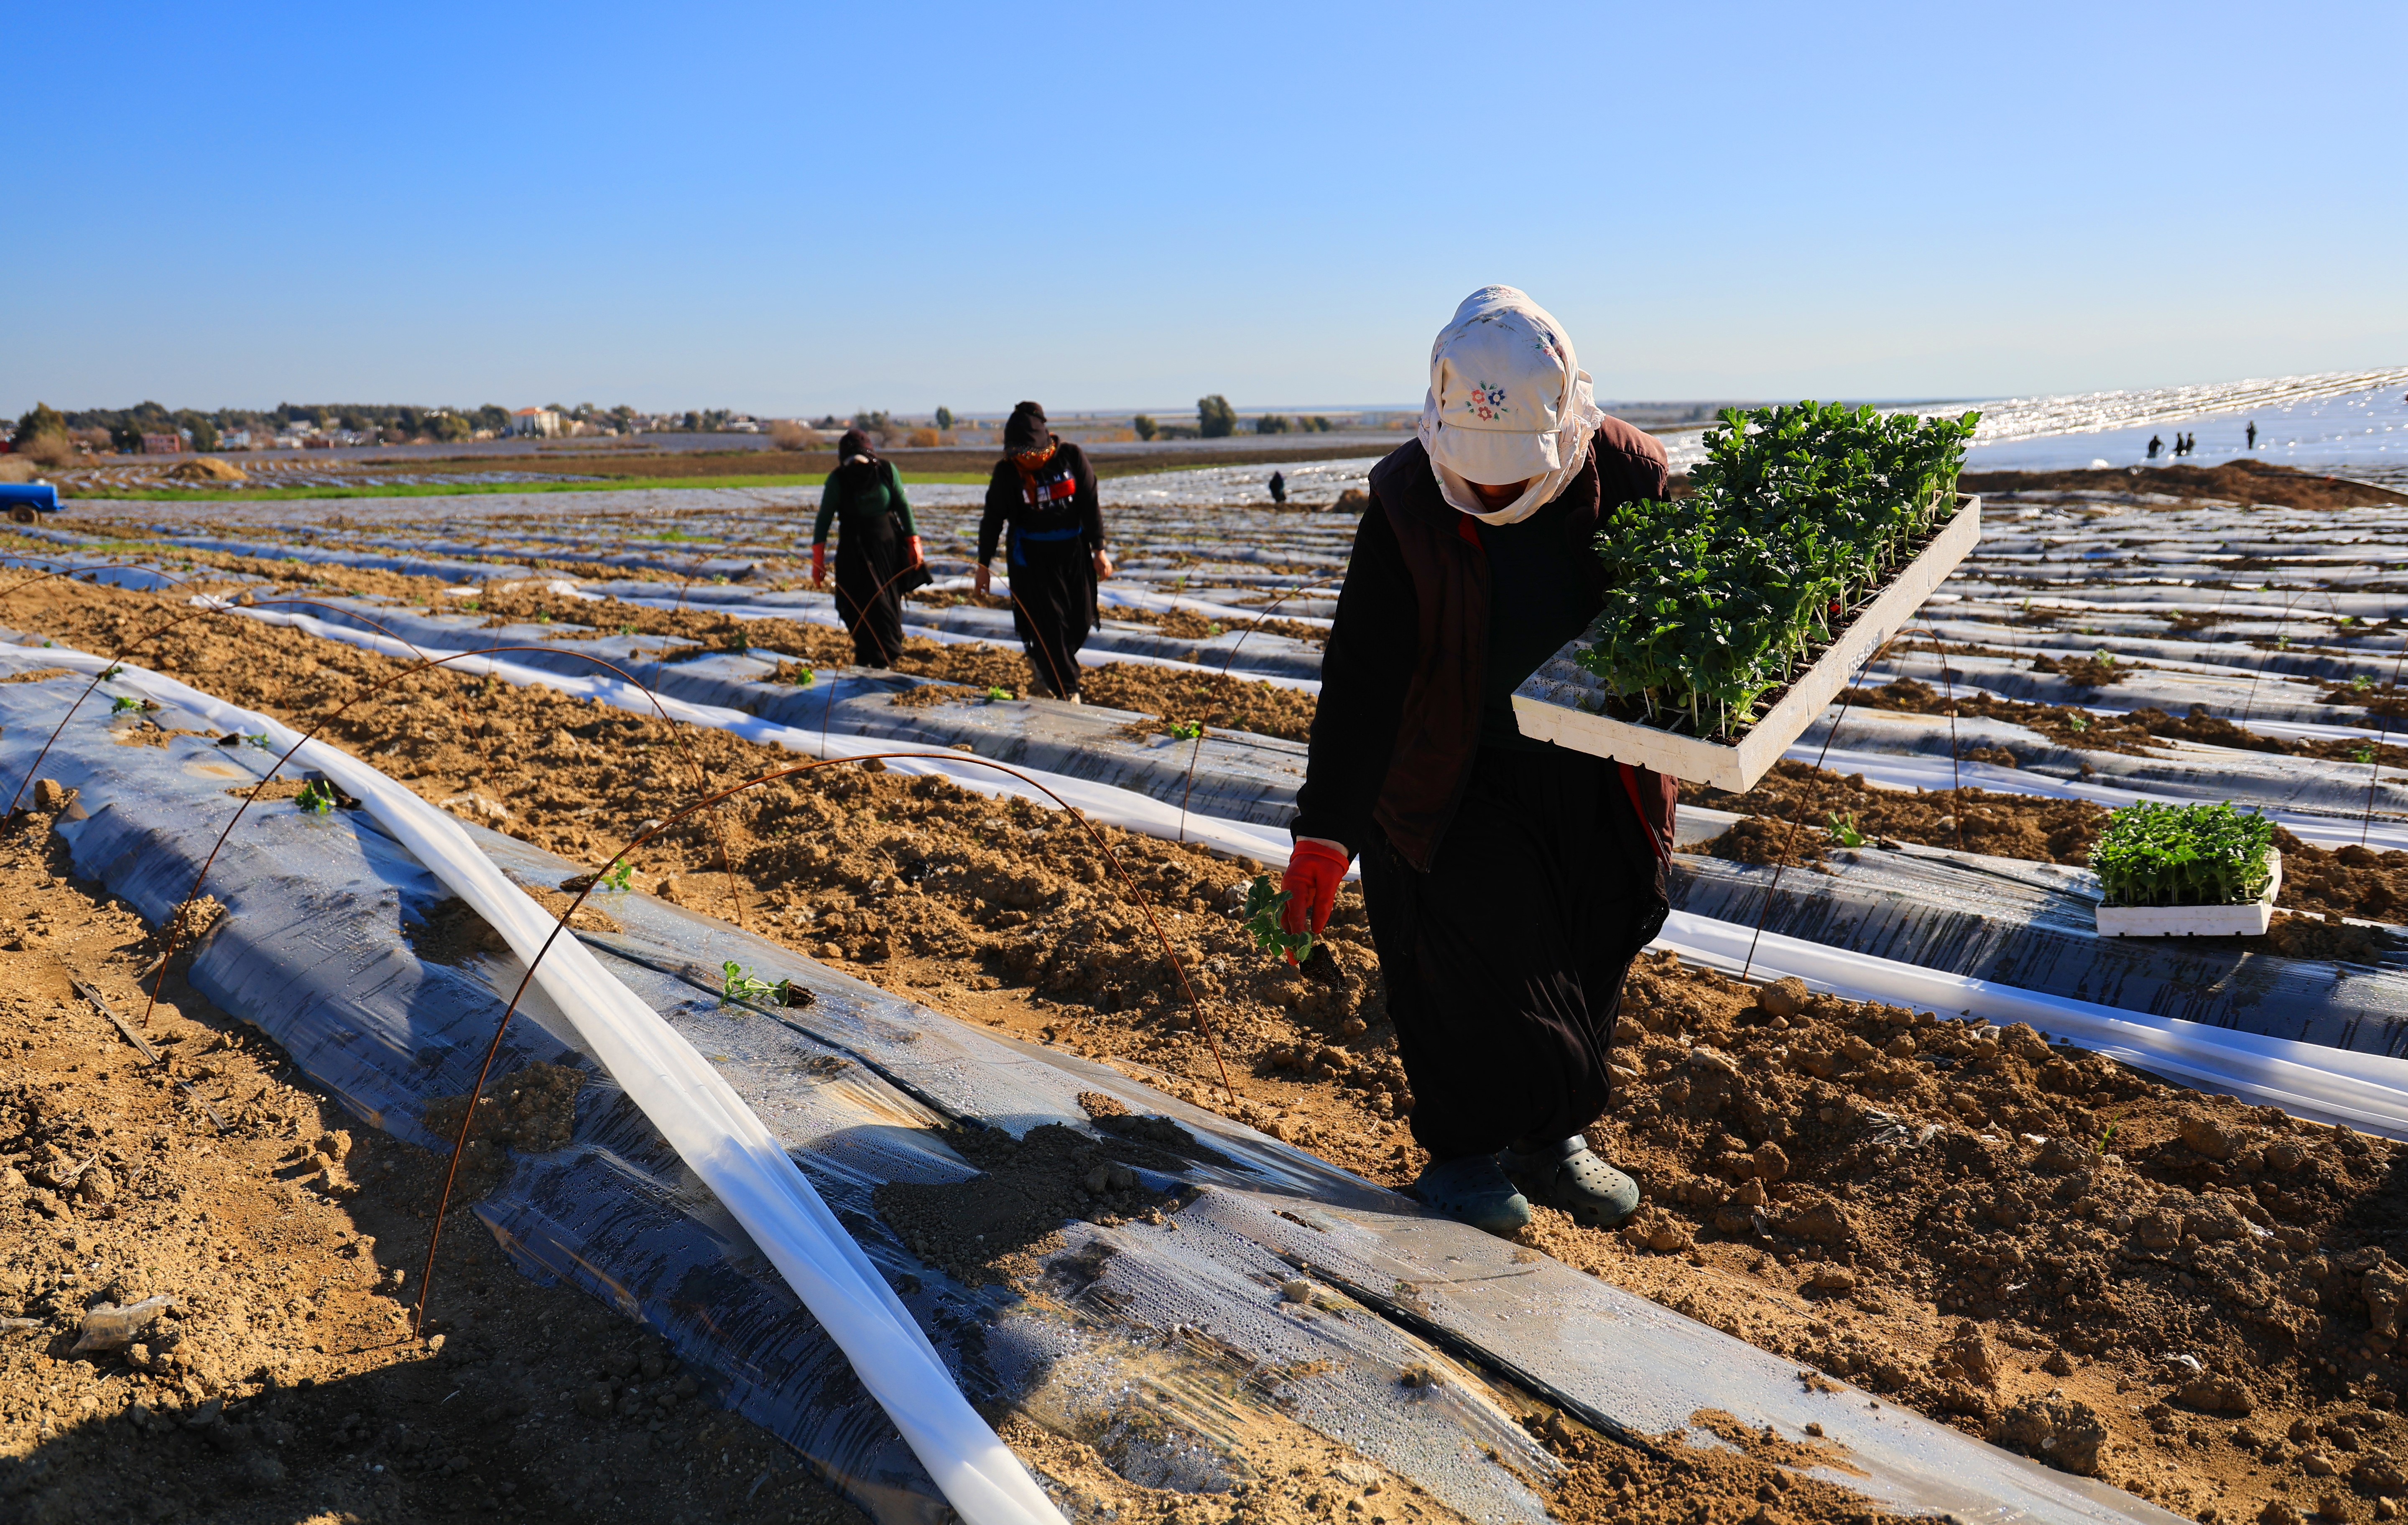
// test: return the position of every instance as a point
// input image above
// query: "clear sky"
(798, 208)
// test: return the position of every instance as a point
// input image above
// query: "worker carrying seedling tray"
(1509, 881)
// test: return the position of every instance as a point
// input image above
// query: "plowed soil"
(2331, 883)
(2236, 482)
(1903, 1202)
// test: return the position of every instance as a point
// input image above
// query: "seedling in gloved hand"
(316, 797)
(1264, 903)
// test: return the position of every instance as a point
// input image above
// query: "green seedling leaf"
(260, 742)
(316, 798)
(617, 876)
(2361, 682)
(1187, 730)
(2077, 721)
(1264, 903)
(2363, 753)
(996, 695)
(740, 985)
(1844, 829)
(626, 629)
(123, 703)
(110, 676)
(803, 678)
(2183, 854)
(472, 605)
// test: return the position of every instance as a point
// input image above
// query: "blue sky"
(800, 209)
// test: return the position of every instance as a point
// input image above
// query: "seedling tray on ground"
(2247, 920)
(1562, 700)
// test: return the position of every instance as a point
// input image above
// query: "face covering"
(1507, 402)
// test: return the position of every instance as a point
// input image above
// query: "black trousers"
(1053, 606)
(1504, 963)
(868, 555)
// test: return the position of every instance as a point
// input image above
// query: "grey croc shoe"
(1471, 1190)
(1567, 1174)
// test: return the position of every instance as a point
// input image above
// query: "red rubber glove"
(1314, 872)
(916, 556)
(819, 562)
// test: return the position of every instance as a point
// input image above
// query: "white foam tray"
(2250, 920)
(1559, 702)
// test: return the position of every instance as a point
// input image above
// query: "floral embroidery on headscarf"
(1486, 400)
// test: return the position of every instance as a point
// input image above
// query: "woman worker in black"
(1509, 881)
(875, 543)
(1043, 496)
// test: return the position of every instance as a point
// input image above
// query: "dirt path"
(1938, 1215)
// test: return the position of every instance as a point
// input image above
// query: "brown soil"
(2238, 482)
(2061, 1257)
(2333, 882)
(1967, 1220)
(2133, 733)
(2000, 824)
(284, 1385)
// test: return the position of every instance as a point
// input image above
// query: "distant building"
(539, 423)
(162, 444)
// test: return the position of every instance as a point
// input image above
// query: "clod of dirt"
(532, 1110)
(2062, 1432)
(989, 1228)
(1784, 997)
(50, 794)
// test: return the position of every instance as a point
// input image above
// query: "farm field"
(2028, 1242)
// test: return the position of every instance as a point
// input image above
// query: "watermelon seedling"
(123, 703)
(2183, 854)
(1261, 917)
(1844, 827)
(741, 985)
(316, 798)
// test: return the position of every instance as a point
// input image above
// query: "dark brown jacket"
(1397, 726)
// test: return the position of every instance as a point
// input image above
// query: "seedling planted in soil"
(743, 985)
(1844, 829)
(316, 796)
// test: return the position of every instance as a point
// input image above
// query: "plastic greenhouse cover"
(1180, 1323)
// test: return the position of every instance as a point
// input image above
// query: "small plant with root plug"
(742, 985)
(1264, 903)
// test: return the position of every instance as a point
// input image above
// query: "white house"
(541, 423)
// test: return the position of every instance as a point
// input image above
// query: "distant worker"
(2253, 434)
(1042, 503)
(2156, 445)
(1279, 488)
(875, 546)
(1508, 881)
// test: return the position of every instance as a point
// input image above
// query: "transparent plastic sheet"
(2364, 1091)
(1179, 1324)
(2031, 927)
(711, 1131)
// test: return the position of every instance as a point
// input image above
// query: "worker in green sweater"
(877, 545)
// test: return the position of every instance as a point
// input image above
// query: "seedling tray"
(2249, 920)
(1561, 703)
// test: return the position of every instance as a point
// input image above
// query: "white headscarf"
(1507, 401)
